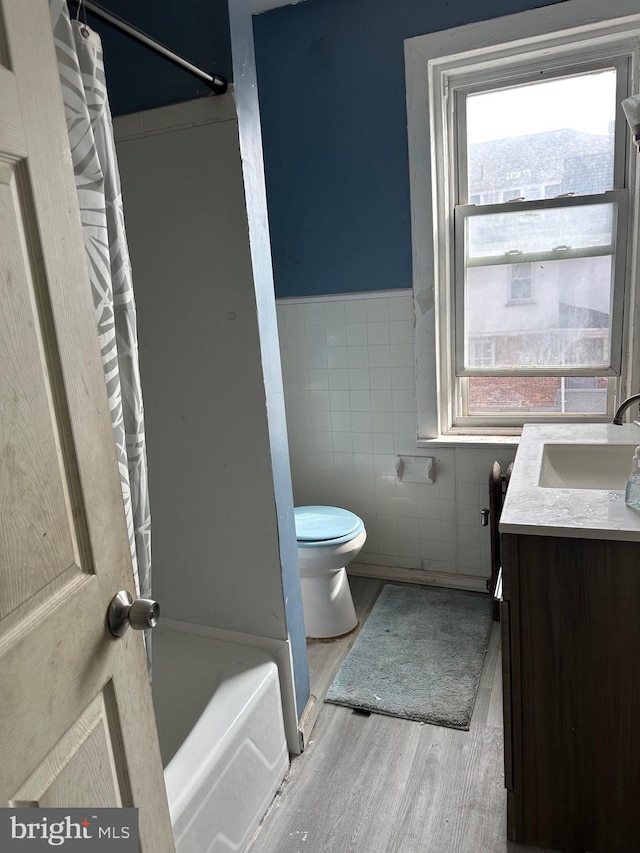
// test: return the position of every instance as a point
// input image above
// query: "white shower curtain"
(79, 53)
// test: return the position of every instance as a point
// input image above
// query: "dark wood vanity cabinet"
(570, 620)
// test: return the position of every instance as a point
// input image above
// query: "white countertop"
(579, 513)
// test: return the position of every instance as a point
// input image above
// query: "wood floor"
(378, 784)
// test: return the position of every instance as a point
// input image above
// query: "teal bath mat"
(419, 656)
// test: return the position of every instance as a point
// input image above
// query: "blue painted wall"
(332, 95)
(138, 79)
(332, 100)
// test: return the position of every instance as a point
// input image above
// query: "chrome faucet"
(622, 408)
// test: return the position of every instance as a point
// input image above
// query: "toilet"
(328, 539)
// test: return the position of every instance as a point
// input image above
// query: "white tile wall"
(349, 381)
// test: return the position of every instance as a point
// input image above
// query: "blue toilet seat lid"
(326, 524)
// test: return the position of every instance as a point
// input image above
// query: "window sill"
(511, 440)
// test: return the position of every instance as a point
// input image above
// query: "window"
(520, 282)
(531, 169)
(507, 125)
(511, 195)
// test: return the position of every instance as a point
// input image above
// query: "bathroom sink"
(568, 480)
(585, 466)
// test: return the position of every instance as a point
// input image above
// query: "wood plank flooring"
(376, 784)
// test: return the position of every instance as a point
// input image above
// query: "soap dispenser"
(632, 492)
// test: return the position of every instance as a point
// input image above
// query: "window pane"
(542, 139)
(558, 230)
(536, 395)
(567, 323)
(538, 287)
(561, 319)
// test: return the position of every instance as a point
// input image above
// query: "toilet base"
(327, 605)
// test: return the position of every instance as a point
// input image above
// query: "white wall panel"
(214, 529)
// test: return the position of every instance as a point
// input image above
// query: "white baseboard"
(422, 576)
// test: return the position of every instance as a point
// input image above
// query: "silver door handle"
(125, 613)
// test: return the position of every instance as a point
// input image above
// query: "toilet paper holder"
(415, 469)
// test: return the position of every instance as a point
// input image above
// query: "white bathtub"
(222, 738)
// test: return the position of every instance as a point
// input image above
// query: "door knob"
(125, 613)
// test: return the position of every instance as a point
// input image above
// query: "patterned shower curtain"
(79, 54)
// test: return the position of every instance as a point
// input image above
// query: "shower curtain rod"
(217, 84)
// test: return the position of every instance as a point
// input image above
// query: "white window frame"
(433, 62)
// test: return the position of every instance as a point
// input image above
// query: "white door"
(77, 727)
